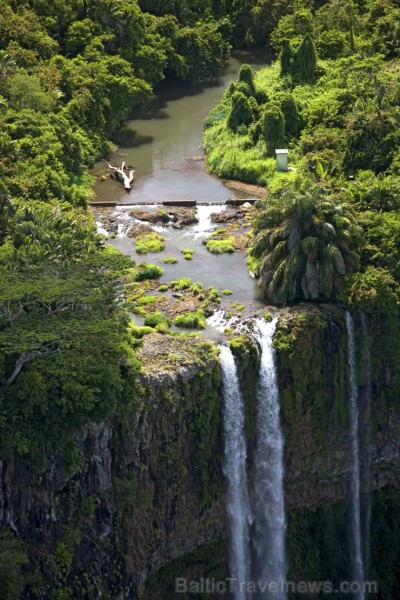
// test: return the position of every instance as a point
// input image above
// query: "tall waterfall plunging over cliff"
(235, 472)
(367, 458)
(356, 555)
(269, 506)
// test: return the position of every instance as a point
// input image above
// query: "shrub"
(197, 288)
(156, 319)
(187, 253)
(221, 246)
(181, 284)
(241, 113)
(163, 287)
(192, 320)
(149, 242)
(273, 129)
(227, 292)
(139, 332)
(148, 271)
(169, 260)
(146, 300)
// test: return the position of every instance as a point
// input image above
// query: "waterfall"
(366, 479)
(269, 508)
(204, 212)
(235, 472)
(357, 560)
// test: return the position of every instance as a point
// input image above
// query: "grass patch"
(149, 242)
(139, 332)
(184, 283)
(214, 294)
(197, 288)
(146, 300)
(221, 246)
(169, 260)
(187, 253)
(192, 320)
(163, 288)
(253, 264)
(148, 271)
(157, 319)
(227, 292)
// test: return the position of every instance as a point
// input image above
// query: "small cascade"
(269, 507)
(356, 555)
(235, 472)
(204, 212)
(367, 458)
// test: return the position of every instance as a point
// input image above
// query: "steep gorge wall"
(137, 494)
(143, 500)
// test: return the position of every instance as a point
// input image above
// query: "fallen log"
(126, 179)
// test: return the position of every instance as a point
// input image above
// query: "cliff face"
(136, 495)
(313, 377)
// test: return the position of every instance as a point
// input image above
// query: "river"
(164, 135)
(160, 142)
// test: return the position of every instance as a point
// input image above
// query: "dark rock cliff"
(139, 495)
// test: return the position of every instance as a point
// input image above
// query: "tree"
(246, 76)
(6, 212)
(286, 58)
(273, 128)
(307, 241)
(240, 113)
(305, 61)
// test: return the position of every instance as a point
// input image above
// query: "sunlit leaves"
(308, 241)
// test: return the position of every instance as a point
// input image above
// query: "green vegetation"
(155, 319)
(332, 98)
(181, 284)
(227, 292)
(163, 288)
(148, 271)
(187, 253)
(308, 240)
(221, 246)
(149, 242)
(169, 260)
(191, 320)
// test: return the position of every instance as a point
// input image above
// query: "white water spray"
(269, 506)
(235, 472)
(204, 212)
(366, 479)
(357, 560)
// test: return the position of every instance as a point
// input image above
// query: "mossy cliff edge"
(137, 503)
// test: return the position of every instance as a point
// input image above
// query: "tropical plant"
(307, 240)
(305, 61)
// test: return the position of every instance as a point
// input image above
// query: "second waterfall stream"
(266, 538)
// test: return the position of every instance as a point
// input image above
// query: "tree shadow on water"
(128, 138)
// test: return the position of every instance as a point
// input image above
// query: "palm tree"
(307, 241)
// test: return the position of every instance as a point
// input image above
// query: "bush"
(148, 271)
(241, 113)
(139, 332)
(181, 284)
(169, 260)
(146, 300)
(221, 246)
(187, 253)
(163, 287)
(192, 320)
(373, 290)
(149, 242)
(273, 128)
(156, 319)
